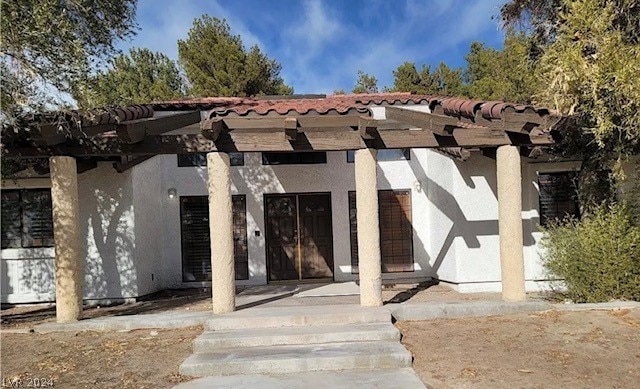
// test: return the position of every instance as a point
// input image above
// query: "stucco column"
(221, 229)
(368, 228)
(66, 231)
(510, 223)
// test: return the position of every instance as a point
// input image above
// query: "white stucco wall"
(107, 221)
(121, 229)
(147, 200)
(254, 180)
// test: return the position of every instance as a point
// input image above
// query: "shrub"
(598, 256)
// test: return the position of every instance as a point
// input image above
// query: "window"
(27, 219)
(558, 196)
(396, 231)
(385, 155)
(196, 241)
(294, 158)
(200, 159)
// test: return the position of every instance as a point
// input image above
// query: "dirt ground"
(587, 349)
(136, 359)
(541, 350)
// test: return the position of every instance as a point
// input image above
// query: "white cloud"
(321, 47)
(318, 27)
(168, 21)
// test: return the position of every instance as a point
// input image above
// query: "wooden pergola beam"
(477, 137)
(400, 139)
(132, 131)
(135, 130)
(112, 146)
(438, 124)
(232, 141)
(301, 122)
(47, 134)
(403, 128)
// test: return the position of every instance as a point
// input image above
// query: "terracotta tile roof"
(107, 115)
(336, 104)
(341, 105)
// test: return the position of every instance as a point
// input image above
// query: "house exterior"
(147, 228)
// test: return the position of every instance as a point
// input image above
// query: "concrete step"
(298, 358)
(298, 316)
(404, 378)
(215, 340)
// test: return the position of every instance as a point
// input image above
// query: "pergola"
(130, 135)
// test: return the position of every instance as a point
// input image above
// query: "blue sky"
(322, 44)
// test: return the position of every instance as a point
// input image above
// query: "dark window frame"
(200, 159)
(353, 231)
(294, 158)
(350, 154)
(244, 260)
(37, 232)
(551, 205)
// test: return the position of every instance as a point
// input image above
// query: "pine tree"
(217, 64)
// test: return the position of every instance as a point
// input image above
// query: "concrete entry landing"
(301, 347)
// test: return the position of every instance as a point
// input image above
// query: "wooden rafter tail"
(482, 121)
(367, 127)
(213, 128)
(290, 128)
(523, 122)
(438, 124)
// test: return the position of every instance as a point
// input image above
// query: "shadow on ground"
(409, 293)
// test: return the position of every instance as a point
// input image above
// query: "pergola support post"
(223, 286)
(66, 229)
(369, 264)
(509, 179)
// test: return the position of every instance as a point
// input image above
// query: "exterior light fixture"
(418, 186)
(173, 193)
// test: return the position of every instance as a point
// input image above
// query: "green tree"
(48, 46)
(407, 79)
(365, 83)
(217, 64)
(448, 81)
(140, 77)
(442, 81)
(589, 63)
(506, 74)
(591, 70)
